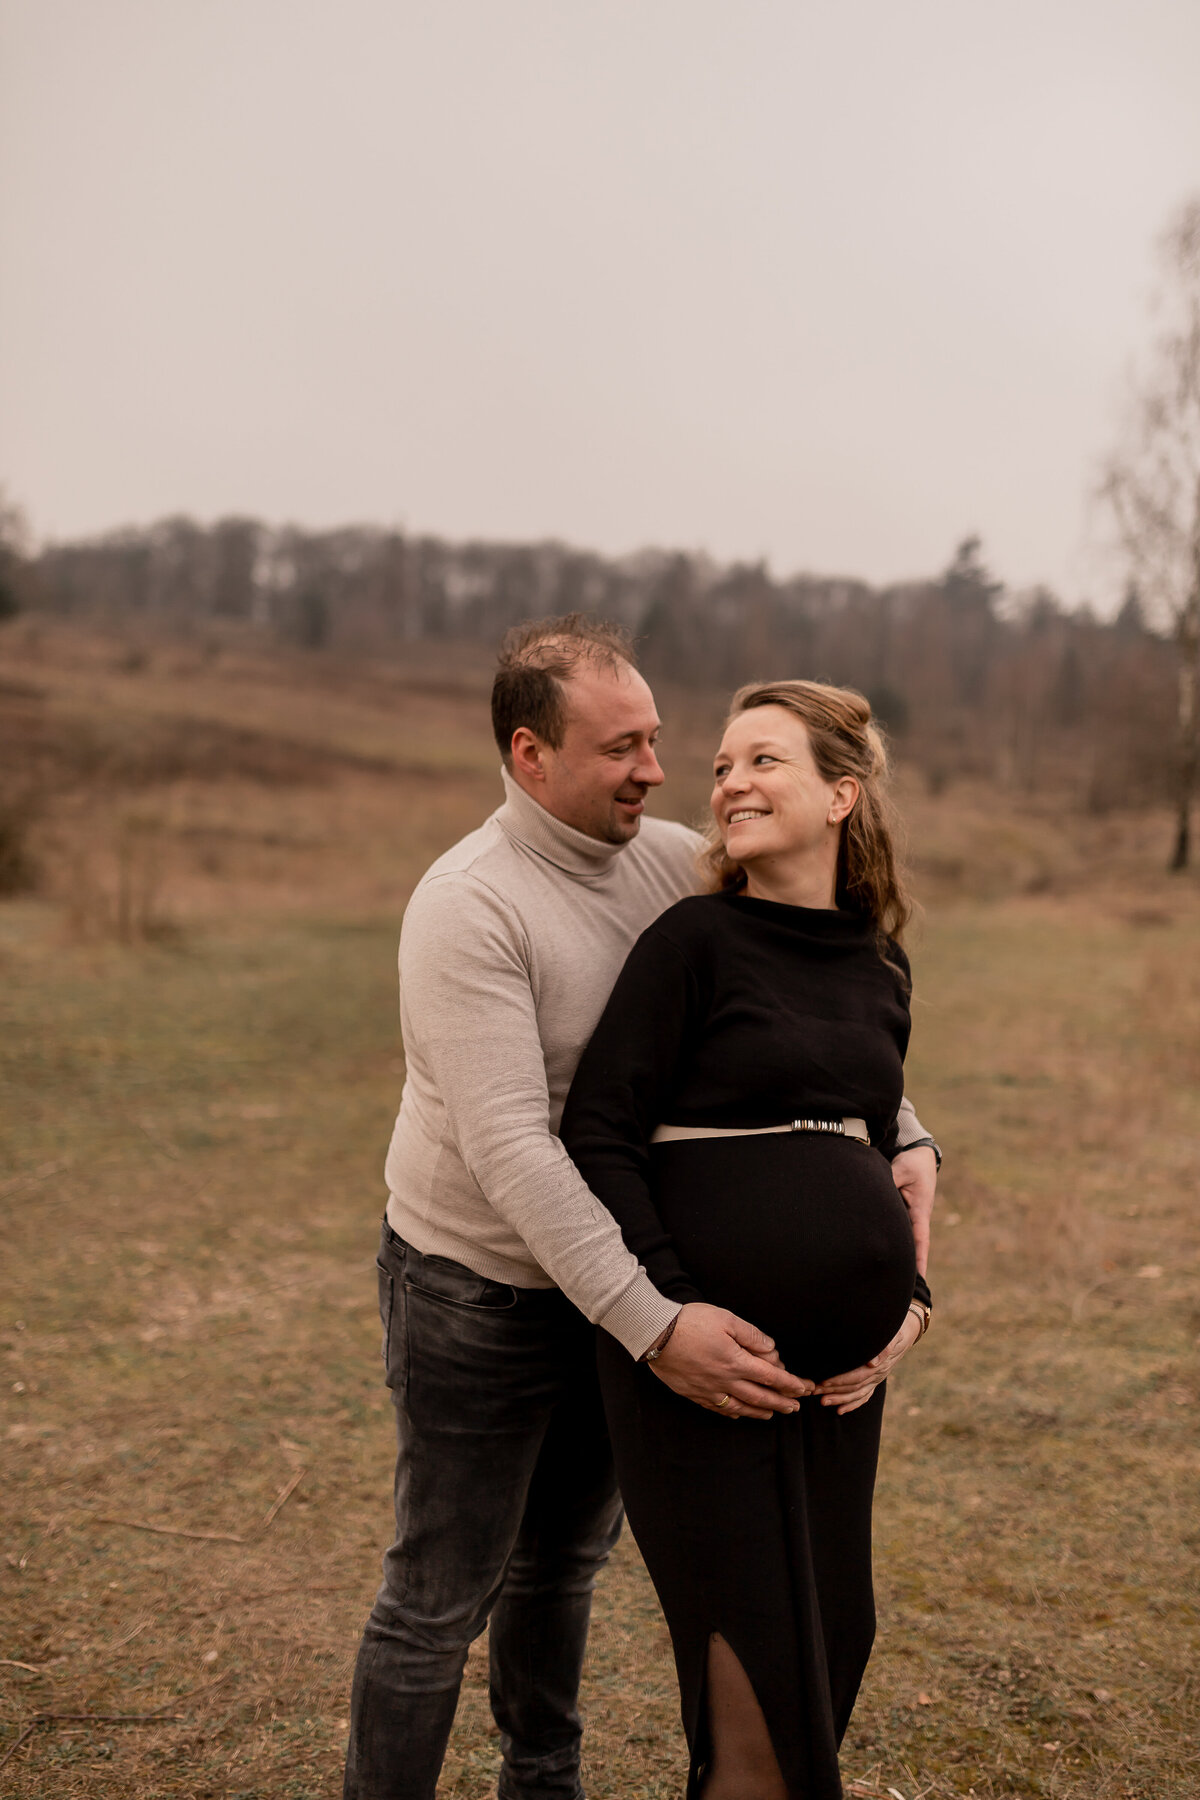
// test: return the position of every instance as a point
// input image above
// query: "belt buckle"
(836, 1126)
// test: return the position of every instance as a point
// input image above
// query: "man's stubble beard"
(619, 838)
(622, 831)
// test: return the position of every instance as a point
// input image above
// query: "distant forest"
(968, 677)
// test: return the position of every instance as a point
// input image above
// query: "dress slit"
(694, 1710)
(712, 1749)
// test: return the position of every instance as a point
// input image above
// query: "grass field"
(193, 1124)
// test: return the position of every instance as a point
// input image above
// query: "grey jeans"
(506, 1508)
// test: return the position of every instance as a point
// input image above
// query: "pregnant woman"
(735, 1111)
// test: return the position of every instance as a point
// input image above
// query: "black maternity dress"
(739, 1012)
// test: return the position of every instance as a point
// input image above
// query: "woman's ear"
(843, 800)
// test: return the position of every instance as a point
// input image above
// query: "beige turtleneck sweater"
(510, 947)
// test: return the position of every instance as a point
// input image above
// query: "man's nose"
(649, 770)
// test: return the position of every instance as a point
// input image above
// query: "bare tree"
(14, 557)
(1153, 485)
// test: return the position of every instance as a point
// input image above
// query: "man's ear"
(527, 755)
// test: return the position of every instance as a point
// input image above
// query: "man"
(506, 1500)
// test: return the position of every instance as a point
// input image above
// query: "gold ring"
(723, 1401)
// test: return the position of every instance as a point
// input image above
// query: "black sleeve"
(896, 957)
(623, 1089)
(898, 966)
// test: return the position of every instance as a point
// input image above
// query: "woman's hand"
(727, 1365)
(855, 1387)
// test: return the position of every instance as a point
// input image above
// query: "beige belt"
(676, 1134)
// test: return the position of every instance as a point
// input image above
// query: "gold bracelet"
(924, 1313)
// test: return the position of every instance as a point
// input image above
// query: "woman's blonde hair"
(844, 742)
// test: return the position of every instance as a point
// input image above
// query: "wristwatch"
(925, 1143)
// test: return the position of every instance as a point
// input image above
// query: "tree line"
(969, 677)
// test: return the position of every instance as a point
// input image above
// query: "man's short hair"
(536, 658)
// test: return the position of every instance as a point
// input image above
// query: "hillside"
(199, 1064)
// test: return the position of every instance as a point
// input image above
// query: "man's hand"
(915, 1174)
(855, 1387)
(712, 1355)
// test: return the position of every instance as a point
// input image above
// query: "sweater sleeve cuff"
(639, 1316)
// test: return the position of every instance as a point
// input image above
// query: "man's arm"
(915, 1171)
(909, 1130)
(470, 1015)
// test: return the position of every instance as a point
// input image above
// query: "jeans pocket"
(387, 1302)
(495, 1297)
(394, 1320)
(452, 1284)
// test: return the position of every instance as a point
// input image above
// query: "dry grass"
(194, 787)
(153, 786)
(192, 1135)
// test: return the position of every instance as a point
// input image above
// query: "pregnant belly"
(804, 1236)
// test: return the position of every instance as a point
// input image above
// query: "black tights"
(743, 1764)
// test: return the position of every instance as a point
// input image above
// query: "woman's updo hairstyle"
(844, 742)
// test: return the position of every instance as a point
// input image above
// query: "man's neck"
(534, 825)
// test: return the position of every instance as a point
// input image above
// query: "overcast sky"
(826, 281)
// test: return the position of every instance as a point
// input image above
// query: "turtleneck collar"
(538, 830)
(828, 924)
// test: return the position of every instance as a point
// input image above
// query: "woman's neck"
(808, 882)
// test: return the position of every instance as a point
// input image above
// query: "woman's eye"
(764, 757)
